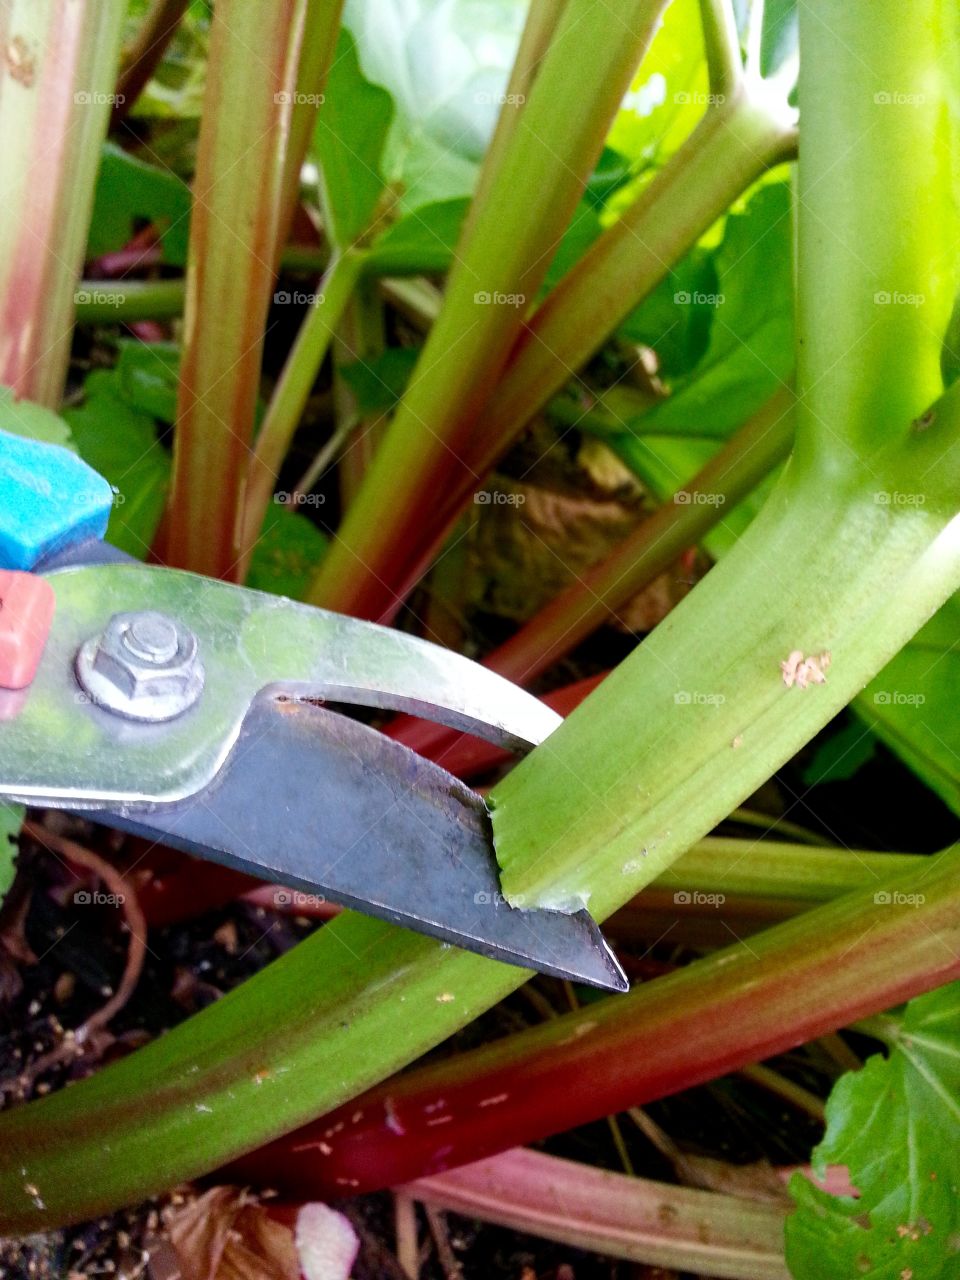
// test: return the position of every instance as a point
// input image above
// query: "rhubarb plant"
(593, 214)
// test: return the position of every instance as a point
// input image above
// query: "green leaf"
(349, 140)
(679, 335)
(912, 704)
(780, 36)
(11, 820)
(446, 67)
(287, 555)
(130, 192)
(148, 376)
(751, 348)
(749, 354)
(669, 93)
(379, 382)
(34, 421)
(121, 443)
(175, 92)
(840, 755)
(584, 228)
(893, 1125)
(421, 242)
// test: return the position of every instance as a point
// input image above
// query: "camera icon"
(282, 298)
(482, 899)
(683, 697)
(882, 99)
(882, 898)
(483, 498)
(81, 297)
(682, 898)
(683, 298)
(82, 898)
(282, 898)
(682, 498)
(882, 298)
(882, 698)
(282, 98)
(482, 298)
(82, 98)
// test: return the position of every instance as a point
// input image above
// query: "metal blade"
(325, 805)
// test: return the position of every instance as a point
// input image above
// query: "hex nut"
(145, 666)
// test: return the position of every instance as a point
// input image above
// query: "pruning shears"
(189, 711)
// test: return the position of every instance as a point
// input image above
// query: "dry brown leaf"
(529, 543)
(226, 1234)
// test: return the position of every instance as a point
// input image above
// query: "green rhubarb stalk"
(122, 301)
(735, 470)
(292, 392)
(234, 232)
(527, 200)
(746, 133)
(824, 568)
(59, 67)
(322, 25)
(145, 52)
(835, 567)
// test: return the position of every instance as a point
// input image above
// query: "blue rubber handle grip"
(49, 500)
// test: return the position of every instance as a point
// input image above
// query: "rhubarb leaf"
(893, 1125)
(11, 819)
(34, 421)
(911, 705)
(348, 141)
(129, 192)
(287, 554)
(120, 441)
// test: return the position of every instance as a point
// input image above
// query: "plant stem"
(292, 392)
(121, 301)
(589, 601)
(527, 199)
(749, 1002)
(322, 25)
(677, 1228)
(360, 337)
(573, 816)
(234, 232)
(144, 54)
(59, 68)
(734, 143)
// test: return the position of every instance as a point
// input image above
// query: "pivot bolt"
(145, 666)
